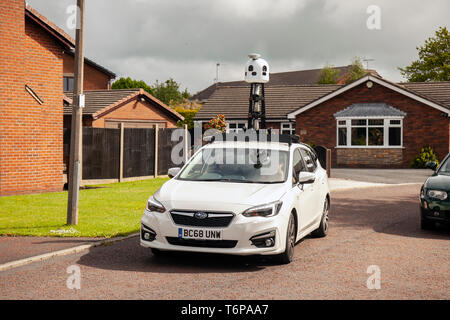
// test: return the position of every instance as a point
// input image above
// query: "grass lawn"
(107, 211)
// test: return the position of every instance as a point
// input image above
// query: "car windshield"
(243, 165)
(444, 168)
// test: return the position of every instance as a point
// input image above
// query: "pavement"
(374, 226)
(386, 176)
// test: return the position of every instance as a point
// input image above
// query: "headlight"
(265, 210)
(437, 194)
(155, 205)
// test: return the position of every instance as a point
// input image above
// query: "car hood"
(217, 196)
(440, 182)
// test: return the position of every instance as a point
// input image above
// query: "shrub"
(425, 155)
(218, 123)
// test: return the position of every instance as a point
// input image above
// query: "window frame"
(235, 123)
(346, 122)
(291, 128)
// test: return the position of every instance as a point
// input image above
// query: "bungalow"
(288, 78)
(370, 122)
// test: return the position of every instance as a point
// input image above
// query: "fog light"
(147, 233)
(264, 240)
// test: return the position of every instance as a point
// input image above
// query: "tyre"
(322, 230)
(288, 255)
(426, 224)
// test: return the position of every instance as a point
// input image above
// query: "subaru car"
(241, 198)
(434, 195)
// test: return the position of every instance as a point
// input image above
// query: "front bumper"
(435, 210)
(240, 230)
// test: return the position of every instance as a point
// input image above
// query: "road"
(369, 226)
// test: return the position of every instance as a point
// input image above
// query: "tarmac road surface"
(369, 226)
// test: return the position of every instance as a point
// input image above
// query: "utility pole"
(76, 142)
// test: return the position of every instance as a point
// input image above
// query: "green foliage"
(328, 75)
(356, 70)
(188, 115)
(169, 92)
(434, 60)
(425, 155)
(128, 83)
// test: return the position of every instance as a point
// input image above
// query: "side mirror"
(431, 165)
(173, 172)
(306, 177)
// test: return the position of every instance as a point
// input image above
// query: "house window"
(369, 132)
(67, 83)
(287, 128)
(236, 126)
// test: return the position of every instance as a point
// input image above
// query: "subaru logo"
(200, 215)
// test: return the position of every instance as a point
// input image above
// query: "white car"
(276, 194)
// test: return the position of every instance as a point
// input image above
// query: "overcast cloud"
(158, 39)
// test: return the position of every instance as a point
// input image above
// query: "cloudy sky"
(158, 39)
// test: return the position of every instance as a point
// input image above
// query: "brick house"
(36, 68)
(370, 122)
(31, 64)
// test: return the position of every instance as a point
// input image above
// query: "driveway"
(388, 176)
(372, 227)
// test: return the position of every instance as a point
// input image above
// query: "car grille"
(213, 219)
(202, 243)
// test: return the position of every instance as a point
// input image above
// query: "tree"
(328, 75)
(356, 70)
(128, 83)
(188, 109)
(169, 92)
(434, 60)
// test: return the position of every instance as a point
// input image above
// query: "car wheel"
(322, 230)
(288, 255)
(426, 224)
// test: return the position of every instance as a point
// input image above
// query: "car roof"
(253, 145)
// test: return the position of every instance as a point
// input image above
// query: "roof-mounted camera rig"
(257, 74)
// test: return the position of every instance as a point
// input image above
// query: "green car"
(435, 196)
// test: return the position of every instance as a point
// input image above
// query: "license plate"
(200, 234)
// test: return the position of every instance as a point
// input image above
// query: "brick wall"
(31, 146)
(94, 79)
(422, 126)
(368, 157)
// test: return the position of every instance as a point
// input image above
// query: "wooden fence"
(124, 152)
